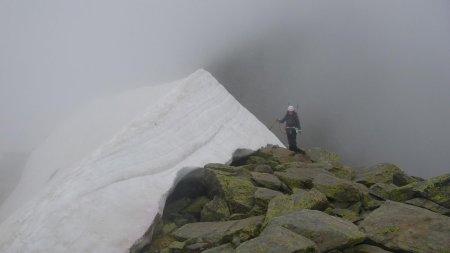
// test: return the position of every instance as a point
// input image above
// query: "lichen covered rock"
(300, 177)
(402, 227)
(301, 199)
(266, 180)
(276, 240)
(326, 231)
(436, 189)
(338, 189)
(321, 155)
(216, 233)
(237, 190)
(428, 204)
(264, 195)
(215, 210)
(274, 200)
(382, 173)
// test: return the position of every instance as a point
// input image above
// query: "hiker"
(292, 127)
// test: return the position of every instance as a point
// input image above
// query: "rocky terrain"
(277, 201)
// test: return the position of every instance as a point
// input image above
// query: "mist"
(371, 78)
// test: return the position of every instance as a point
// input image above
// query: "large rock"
(343, 172)
(282, 155)
(215, 210)
(216, 233)
(301, 199)
(345, 214)
(428, 204)
(408, 228)
(264, 195)
(382, 173)
(339, 189)
(300, 177)
(326, 231)
(276, 240)
(263, 168)
(436, 189)
(365, 248)
(400, 194)
(324, 156)
(196, 206)
(267, 180)
(382, 190)
(238, 190)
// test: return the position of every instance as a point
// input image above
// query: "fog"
(371, 78)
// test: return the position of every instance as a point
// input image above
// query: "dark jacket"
(291, 120)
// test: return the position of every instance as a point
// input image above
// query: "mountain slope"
(104, 201)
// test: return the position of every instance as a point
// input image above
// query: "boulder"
(300, 177)
(266, 180)
(237, 190)
(436, 189)
(258, 160)
(216, 233)
(345, 214)
(343, 172)
(276, 240)
(382, 190)
(402, 227)
(326, 231)
(176, 245)
(160, 243)
(173, 209)
(382, 173)
(338, 189)
(400, 194)
(365, 248)
(301, 199)
(264, 195)
(169, 227)
(322, 155)
(196, 206)
(428, 204)
(282, 155)
(263, 168)
(215, 210)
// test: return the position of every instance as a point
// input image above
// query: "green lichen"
(294, 182)
(238, 192)
(340, 192)
(300, 200)
(388, 230)
(261, 160)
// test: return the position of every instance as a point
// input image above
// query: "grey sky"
(371, 77)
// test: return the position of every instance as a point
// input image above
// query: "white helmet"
(290, 108)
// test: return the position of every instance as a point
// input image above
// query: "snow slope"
(96, 184)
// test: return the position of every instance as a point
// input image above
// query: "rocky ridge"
(277, 201)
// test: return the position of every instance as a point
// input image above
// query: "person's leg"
(292, 139)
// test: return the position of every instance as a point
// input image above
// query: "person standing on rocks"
(292, 128)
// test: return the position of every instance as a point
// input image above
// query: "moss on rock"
(301, 199)
(238, 191)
